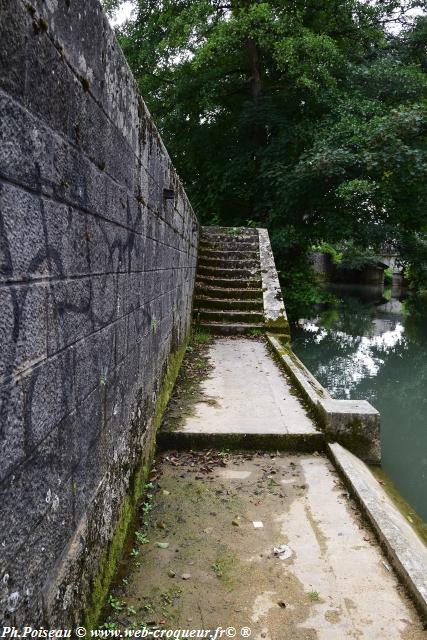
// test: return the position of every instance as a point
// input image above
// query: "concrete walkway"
(248, 393)
(217, 565)
(270, 542)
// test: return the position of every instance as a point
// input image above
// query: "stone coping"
(354, 423)
(275, 317)
(406, 551)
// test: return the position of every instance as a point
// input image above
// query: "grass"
(148, 607)
(313, 596)
(189, 389)
(222, 567)
(256, 332)
(167, 597)
(201, 336)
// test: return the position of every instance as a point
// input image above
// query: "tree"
(307, 116)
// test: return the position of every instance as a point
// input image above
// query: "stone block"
(13, 440)
(49, 391)
(94, 361)
(12, 48)
(23, 328)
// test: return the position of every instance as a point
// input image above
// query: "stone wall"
(98, 247)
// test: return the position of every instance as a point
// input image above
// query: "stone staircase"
(228, 295)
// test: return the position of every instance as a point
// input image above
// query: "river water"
(372, 346)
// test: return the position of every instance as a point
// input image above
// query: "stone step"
(227, 273)
(231, 263)
(226, 293)
(203, 302)
(220, 254)
(196, 440)
(228, 316)
(228, 232)
(228, 283)
(227, 245)
(230, 329)
(229, 239)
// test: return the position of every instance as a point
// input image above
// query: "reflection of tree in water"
(416, 319)
(355, 318)
(328, 343)
(360, 351)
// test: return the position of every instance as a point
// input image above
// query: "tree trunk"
(255, 77)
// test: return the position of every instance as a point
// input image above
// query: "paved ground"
(311, 570)
(217, 569)
(248, 393)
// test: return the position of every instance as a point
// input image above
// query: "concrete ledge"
(274, 309)
(406, 551)
(354, 423)
(253, 441)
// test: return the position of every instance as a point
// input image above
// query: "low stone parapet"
(353, 423)
(275, 318)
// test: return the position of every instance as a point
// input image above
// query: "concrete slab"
(406, 551)
(247, 393)
(333, 583)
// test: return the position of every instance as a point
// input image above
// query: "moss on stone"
(279, 326)
(405, 509)
(239, 441)
(43, 24)
(109, 561)
(31, 10)
(354, 438)
(84, 82)
(281, 351)
(111, 557)
(188, 389)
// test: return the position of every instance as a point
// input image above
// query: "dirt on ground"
(199, 559)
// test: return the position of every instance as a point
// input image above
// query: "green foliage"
(356, 257)
(307, 117)
(301, 289)
(388, 279)
(116, 603)
(110, 6)
(325, 247)
(415, 246)
(141, 537)
(201, 335)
